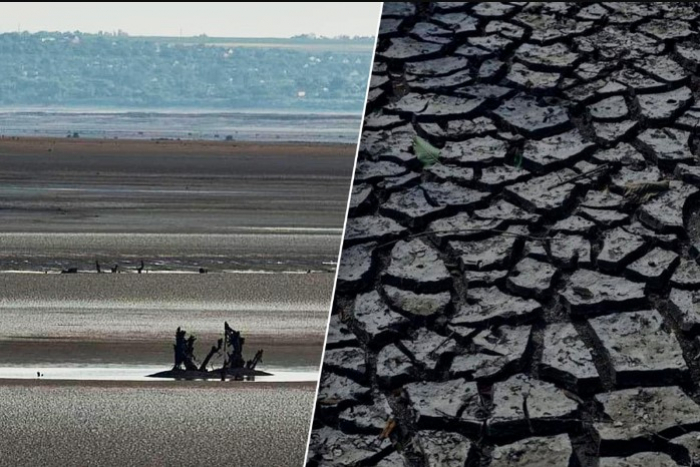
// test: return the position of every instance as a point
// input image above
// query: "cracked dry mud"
(521, 302)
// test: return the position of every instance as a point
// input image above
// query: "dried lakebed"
(176, 205)
(532, 298)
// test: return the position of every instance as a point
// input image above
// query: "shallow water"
(122, 326)
(151, 306)
(182, 125)
(140, 373)
(297, 250)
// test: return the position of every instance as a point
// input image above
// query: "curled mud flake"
(339, 391)
(555, 57)
(444, 449)
(457, 130)
(523, 406)
(571, 250)
(606, 218)
(406, 48)
(454, 197)
(463, 227)
(372, 172)
(417, 267)
(640, 347)
(664, 107)
(567, 360)
(350, 361)
(493, 10)
(373, 317)
(475, 152)
(532, 119)
(687, 275)
(339, 335)
(665, 212)
(556, 151)
(612, 109)
(484, 255)
(644, 459)
(429, 349)
(638, 82)
(437, 67)
(491, 306)
(410, 208)
(361, 200)
(655, 268)
(398, 10)
(636, 414)
(614, 132)
(394, 367)
(685, 307)
(455, 402)
(547, 194)
(531, 278)
(495, 352)
(667, 29)
(534, 452)
(372, 228)
(663, 69)
(329, 447)
(458, 23)
(589, 292)
(370, 418)
(429, 32)
(550, 29)
(535, 81)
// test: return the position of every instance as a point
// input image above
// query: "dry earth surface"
(534, 297)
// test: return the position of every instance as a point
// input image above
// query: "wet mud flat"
(129, 320)
(95, 338)
(287, 307)
(130, 424)
(531, 298)
(177, 205)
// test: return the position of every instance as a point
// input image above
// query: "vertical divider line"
(342, 239)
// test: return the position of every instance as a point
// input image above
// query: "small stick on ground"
(388, 429)
(579, 177)
(432, 352)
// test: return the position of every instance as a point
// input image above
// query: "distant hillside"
(75, 69)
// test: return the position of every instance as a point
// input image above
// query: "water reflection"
(139, 373)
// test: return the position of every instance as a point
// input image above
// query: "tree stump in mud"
(180, 349)
(214, 349)
(190, 364)
(235, 341)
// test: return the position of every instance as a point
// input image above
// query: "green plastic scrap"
(427, 153)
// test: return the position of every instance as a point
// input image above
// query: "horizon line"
(126, 34)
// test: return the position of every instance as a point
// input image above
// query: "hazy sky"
(190, 19)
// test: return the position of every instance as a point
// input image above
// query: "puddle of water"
(139, 373)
